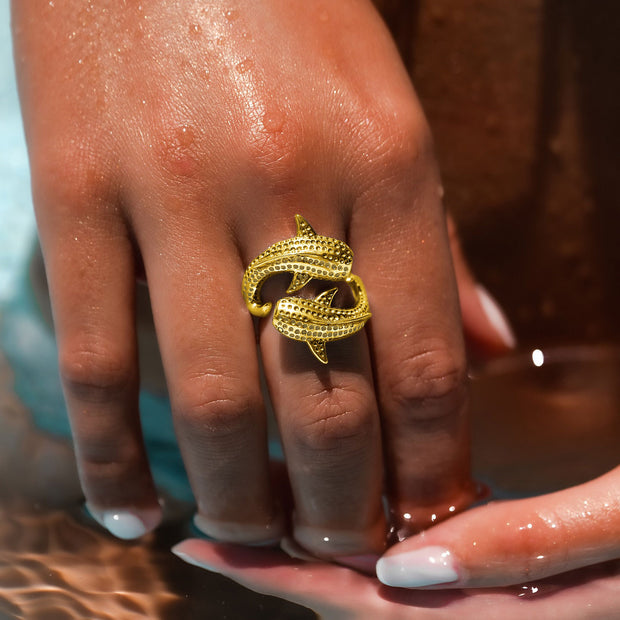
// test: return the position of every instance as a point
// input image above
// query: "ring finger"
(328, 420)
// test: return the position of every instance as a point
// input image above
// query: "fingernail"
(496, 317)
(329, 543)
(190, 559)
(416, 569)
(241, 533)
(363, 563)
(126, 524)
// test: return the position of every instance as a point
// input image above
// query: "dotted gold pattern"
(308, 256)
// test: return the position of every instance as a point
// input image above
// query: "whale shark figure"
(316, 322)
(307, 255)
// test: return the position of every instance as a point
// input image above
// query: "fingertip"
(496, 317)
(192, 553)
(352, 547)
(252, 534)
(485, 323)
(505, 543)
(487, 328)
(418, 568)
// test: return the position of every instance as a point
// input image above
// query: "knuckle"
(72, 172)
(96, 372)
(214, 405)
(401, 139)
(335, 420)
(177, 150)
(431, 383)
(275, 154)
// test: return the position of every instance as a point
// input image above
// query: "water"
(546, 420)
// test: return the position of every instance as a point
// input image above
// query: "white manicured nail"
(190, 559)
(496, 317)
(241, 533)
(125, 524)
(416, 569)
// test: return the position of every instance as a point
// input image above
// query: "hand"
(175, 141)
(335, 592)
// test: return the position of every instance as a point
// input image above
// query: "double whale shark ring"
(313, 321)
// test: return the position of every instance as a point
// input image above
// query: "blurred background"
(524, 102)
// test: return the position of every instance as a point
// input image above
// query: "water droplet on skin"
(195, 29)
(231, 15)
(185, 136)
(273, 121)
(244, 65)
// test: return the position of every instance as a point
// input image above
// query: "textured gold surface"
(307, 256)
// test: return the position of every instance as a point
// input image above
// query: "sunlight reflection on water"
(56, 563)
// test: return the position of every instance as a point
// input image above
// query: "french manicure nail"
(496, 317)
(245, 533)
(190, 559)
(416, 569)
(123, 525)
(126, 524)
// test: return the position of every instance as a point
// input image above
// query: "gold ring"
(307, 256)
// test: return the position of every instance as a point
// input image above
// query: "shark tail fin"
(326, 297)
(298, 282)
(319, 350)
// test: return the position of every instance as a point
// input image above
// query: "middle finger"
(208, 349)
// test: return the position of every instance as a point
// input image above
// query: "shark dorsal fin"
(318, 348)
(303, 228)
(326, 297)
(298, 282)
